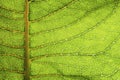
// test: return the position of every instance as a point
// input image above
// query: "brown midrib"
(26, 43)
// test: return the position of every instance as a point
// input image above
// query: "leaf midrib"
(26, 43)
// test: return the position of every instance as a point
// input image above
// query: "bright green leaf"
(59, 40)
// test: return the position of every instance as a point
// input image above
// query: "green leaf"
(59, 40)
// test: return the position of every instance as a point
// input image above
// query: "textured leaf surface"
(68, 39)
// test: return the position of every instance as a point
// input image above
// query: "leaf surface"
(59, 40)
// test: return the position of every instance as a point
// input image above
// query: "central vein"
(26, 42)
